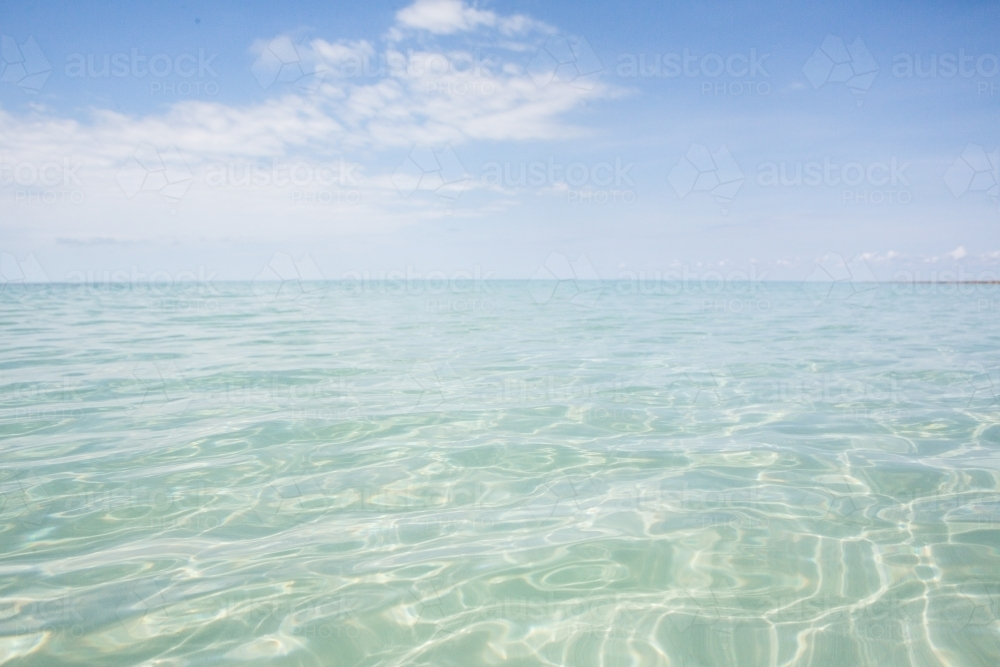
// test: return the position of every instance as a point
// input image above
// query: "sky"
(235, 140)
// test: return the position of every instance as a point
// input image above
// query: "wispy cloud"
(379, 102)
(444, 17)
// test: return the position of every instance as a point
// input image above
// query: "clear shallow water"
(617, 474)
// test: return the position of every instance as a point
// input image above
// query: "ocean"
(521, 472)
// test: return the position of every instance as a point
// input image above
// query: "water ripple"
(339, 476)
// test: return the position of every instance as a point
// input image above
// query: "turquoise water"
(516, 473)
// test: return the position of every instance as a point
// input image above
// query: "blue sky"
(415, 163)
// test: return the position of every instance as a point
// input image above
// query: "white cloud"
(444, 17)
(370, 104)
(881, 258)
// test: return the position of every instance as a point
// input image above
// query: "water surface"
(485, 473)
